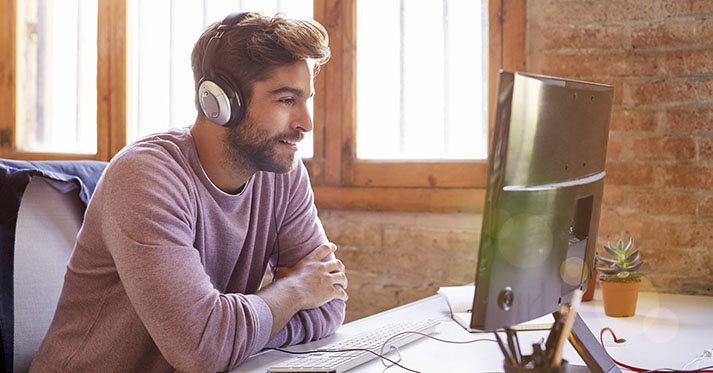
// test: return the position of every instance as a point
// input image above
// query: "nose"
(303, 119)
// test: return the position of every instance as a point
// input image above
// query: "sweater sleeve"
(301, 232)
(148, 213)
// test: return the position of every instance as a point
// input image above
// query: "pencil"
(504, 349)
(567, 327)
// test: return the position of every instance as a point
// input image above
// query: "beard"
(250, 148)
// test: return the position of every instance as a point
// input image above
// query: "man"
(167, 268)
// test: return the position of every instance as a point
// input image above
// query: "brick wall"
(396, 258)
(658, 55)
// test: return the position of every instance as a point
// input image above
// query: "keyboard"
(373, 340)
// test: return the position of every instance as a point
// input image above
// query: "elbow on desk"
(227, 336)
(205, 359)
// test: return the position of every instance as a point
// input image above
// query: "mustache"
(294, 137)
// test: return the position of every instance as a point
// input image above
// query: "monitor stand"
(590, 350)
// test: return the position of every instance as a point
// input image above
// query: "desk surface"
(667, 331)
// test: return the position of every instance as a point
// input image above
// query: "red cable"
(616, 340)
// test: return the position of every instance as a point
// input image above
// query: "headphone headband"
(231, 20)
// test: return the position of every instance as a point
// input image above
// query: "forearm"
(282, 303)
(309, 286)
(311, 325)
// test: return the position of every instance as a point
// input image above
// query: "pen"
(505, 350)
(567, 327)
(514, 345)
(555, 331)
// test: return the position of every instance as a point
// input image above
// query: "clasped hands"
(317, 278)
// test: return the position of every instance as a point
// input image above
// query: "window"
(340, 178)
(343, 176)
(57, 65)
(421, 80)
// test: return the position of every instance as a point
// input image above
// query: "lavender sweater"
(166, 265)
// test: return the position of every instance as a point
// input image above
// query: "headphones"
(219, 97)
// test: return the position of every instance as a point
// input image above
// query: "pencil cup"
(528, 366)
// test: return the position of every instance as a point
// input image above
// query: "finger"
(343, 295)
(339, 279)
(335, 265)
(323, 251)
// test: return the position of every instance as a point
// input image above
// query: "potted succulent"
(620, 275)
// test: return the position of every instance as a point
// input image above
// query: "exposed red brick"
(661, 91)
(705, 90)
(705, 149)
(665, 148)
(695, 234)
(613, 195)
(346, 232)
(677, 8)
(614, 148)
(618, 86)
(608, 37)
(633, 120)
(662, 202)
(417, 240)
(683, 62)
(663, 34)
(681, 176)
(705, 208)
(704, 30)
(576, 12)
(626, 173)
(590, 65)
(614, 226)
(690, 120)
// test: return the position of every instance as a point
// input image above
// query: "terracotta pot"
(591, 284)
(620, 298)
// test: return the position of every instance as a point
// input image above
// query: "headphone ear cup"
(221, 103)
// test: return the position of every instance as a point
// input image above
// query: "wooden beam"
(331, 19)
(8, 76)
(425, 174)
(445, 200)
(111, 79)
(506, 45)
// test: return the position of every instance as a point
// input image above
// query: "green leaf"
(636, 266)
(610, 251)
(605, 260)
(607, 270)
(630, 245)
(633, 257)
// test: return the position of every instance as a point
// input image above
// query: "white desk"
(667, 331)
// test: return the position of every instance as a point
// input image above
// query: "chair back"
(47, 225)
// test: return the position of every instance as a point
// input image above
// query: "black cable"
(381, 354)
(277, 230)
(344, 350)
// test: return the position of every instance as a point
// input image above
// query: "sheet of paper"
(459, 298)
(460, 301)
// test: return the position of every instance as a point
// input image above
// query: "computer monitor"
(541, 215)
(544, 190)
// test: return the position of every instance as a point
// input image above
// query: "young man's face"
(277, 118)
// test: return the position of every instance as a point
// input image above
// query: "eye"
(288, 101)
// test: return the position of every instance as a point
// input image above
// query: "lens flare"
(525, 240)
(574, 271)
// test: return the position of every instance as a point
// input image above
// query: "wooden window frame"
(339, 179)
(111, 84)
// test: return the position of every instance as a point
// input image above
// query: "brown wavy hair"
(251, 50)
